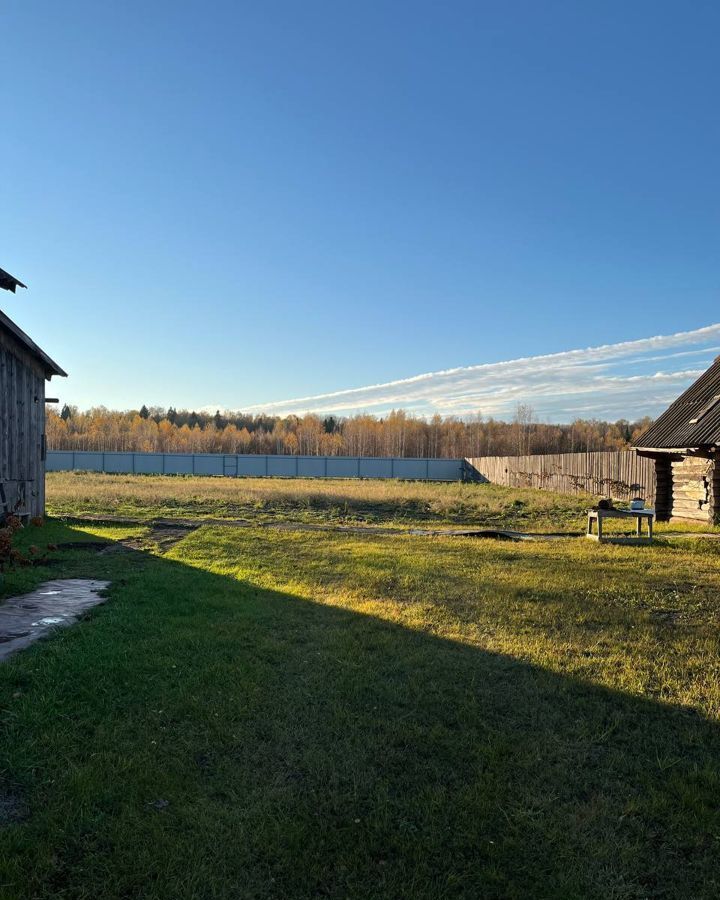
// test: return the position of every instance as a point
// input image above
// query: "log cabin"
(685, 444)
(24, 368)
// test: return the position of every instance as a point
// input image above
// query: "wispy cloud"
(630, 379)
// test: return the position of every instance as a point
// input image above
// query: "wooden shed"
(685, 444)
(24, 368)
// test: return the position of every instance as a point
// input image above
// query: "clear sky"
(226, 204)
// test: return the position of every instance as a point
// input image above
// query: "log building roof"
(693, 420)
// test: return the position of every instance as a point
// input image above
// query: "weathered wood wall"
(618, 474)
(22, 428)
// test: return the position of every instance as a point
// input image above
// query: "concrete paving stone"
(26, 618)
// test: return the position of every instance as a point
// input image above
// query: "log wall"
(663, 488)
(692, 488)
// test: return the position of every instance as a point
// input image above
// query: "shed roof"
(693, 420)
(9, 282)
(9, 327)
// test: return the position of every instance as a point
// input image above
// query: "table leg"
(599, 527)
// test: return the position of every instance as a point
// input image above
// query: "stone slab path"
(28, 617)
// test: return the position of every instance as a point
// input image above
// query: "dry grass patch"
(371, 502)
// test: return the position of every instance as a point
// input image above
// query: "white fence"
(257, 466)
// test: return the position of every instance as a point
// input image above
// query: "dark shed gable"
(16, 338)
(9, 282)
(693, 420)
(24, 369)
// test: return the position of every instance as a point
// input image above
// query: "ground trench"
(164, 532)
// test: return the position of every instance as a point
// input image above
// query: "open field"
(259, 713)
(342, 502)
(401, 504)
(370, 502)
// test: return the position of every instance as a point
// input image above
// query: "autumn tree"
(397, 434)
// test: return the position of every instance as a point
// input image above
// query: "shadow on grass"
(201, 737)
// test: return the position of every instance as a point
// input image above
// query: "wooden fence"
(618, 474)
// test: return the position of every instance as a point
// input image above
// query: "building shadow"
(204, 737)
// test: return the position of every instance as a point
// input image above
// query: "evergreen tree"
(144, 412)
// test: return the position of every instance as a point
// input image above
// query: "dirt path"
(173, 529)
(167, 531)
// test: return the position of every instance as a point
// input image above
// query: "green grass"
(267, 501)
(343, 502)
(269, 714)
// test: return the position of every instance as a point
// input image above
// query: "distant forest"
(153, 429)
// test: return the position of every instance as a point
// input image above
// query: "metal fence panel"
(208, 464)
(375, 468)
(409, 468)
(284, 466)
(86, 461)
(343, 466)
(178, 464)
(252, 466)
(446, 469)
(117, 462)
(148, 463)
(256, 466)
(312, 466)
(59, 461)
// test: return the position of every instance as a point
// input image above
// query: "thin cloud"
(605, 381)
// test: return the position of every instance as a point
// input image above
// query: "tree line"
(159, 430)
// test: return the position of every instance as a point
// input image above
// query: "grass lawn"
(341, 501)
(262, 713)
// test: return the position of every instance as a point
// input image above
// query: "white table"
(598, 515)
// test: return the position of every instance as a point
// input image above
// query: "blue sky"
(228, 204)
